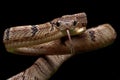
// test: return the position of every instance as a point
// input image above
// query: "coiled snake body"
(50, 38)
(22, 37)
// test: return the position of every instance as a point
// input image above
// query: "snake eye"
(58, 24)
(74, 23)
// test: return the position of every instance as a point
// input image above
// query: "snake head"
(75, 23)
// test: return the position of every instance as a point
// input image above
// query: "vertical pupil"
(74, 23)
(58, 24)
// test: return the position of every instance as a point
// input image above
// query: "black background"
(99, 64)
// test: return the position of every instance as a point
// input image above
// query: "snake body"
(30, 35)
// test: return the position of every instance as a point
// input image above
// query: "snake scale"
(54, 37)
(24, 37)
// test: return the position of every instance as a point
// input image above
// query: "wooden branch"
(45, 66)
(42, 69)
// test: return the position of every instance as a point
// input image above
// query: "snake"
(20, 37)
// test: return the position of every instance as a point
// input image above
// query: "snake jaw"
(74, 32)
(79, 30)
(30, 35)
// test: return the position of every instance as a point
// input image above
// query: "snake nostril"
(74, 23)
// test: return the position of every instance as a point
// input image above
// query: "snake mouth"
(79, 30)
(76, 31)
(69, 33)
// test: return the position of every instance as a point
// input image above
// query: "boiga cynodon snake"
(24, 37)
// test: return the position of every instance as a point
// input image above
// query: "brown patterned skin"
(30, 35)
(92, 39)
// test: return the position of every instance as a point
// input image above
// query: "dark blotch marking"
(92, 35)
(34, 30)
(7, 34)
